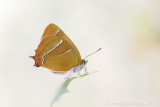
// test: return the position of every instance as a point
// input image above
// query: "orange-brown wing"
(63, 58)
(56, 51)
(53, 29)
(46, 44)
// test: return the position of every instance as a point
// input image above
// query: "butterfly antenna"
(92, 53)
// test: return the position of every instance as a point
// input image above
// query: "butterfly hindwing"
(56, 51)
(62, 58)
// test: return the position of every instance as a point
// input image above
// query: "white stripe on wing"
(51, 50)
(65, 52)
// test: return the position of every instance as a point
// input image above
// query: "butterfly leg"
(86, 70)
(69, 74)
(79, 73)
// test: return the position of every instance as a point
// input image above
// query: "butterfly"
(57, 52)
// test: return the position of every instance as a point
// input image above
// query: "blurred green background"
(128, 31)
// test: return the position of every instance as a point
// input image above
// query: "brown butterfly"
(57, 52)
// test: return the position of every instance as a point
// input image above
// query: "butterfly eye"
(85, 62)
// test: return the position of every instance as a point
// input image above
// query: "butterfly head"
(81, 66)
(84, 62)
